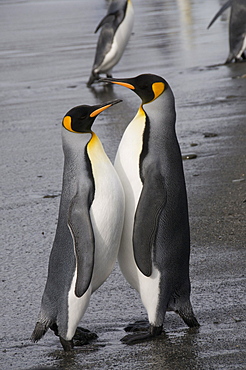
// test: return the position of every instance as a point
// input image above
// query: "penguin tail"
(187, 314)
(92, 79)
(229, 58)
(39, 331)
(190, 319)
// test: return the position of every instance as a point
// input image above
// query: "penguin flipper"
(151, 202)
(222, 9)
(104, 45)
(107, 19)
(111, 17)
(79, 223)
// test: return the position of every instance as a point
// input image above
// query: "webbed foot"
(141, 336)
(140, 325)
(83, 336)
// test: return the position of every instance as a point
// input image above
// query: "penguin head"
(80, 119)
(147, 86)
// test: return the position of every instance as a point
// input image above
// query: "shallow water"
(46, 54)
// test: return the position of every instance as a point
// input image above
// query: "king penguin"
(155, 245)
(89, 227)
(237, 29)
(116, 28)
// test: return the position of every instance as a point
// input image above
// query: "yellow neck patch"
(141, 111)
(94, 148)
(67, 120)
(158, 88)
(93, 141)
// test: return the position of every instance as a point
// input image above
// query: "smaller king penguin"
(237, 29)
(116, 28)
(89, 228)
(155, 245)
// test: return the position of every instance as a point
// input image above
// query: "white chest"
(128, 156)
(107, 212)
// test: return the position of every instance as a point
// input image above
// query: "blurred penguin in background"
(116, 28)
(237, 29)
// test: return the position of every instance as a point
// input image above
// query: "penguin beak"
(100, 108)
(122, 82)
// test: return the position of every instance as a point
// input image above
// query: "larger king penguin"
(89, 227)
(116, 28)
(155, 246)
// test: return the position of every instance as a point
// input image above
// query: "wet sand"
(46, 57)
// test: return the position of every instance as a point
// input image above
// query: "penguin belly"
(76, 308)
(127, 166)
(107, 215)
(120, 40)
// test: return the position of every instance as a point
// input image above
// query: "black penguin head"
(80, 119)
(147, 86)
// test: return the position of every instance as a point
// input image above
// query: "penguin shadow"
(103, 92)
(206, 68)
(70, 359)
(237, 69)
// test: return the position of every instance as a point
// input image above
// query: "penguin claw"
(139, 337)
(136, 338)
(148, 332)
(140, 325)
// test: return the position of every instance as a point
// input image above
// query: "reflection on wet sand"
(186, 22)
(176, 348)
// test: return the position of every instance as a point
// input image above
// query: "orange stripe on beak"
(129, 86)
(99, 110)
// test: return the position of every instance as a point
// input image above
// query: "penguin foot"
(83, 336)
(66, 344)
(152, 333)
(140, 325)
(136, 338)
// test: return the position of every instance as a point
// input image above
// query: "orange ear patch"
(158, 88)
(67, 121)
